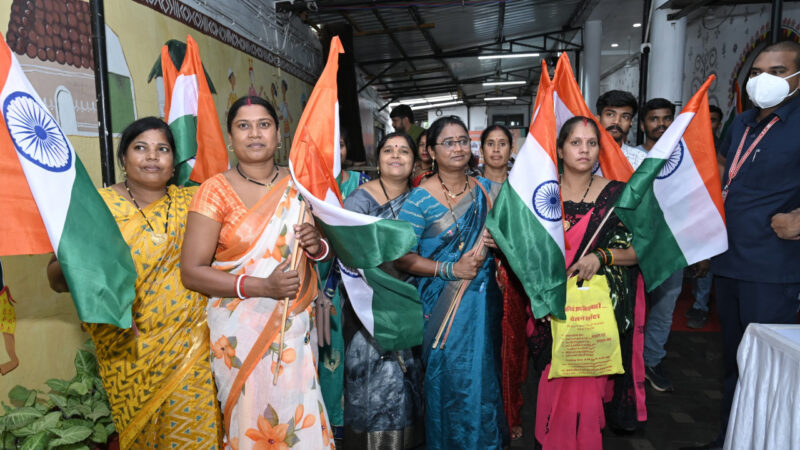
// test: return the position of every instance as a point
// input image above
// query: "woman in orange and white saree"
(241, 232)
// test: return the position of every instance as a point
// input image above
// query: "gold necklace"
(267, 185)
(453, 215)
(157, 238)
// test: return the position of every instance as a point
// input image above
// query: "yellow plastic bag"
(586, 344)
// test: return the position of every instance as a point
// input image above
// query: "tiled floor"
(688, 416)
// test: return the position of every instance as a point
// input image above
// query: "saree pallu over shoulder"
(463, 400)
(166, 363)
(243, 335)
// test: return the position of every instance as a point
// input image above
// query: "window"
(509, 120)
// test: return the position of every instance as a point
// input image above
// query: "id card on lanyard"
(739, 159)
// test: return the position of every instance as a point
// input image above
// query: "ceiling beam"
(415, 15)
(582, 13)
(697, 4)
(423, 26)
(393, 38)
(374, 78)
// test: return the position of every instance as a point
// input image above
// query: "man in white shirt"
(615, 112)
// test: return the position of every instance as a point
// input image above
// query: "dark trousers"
(741, 303)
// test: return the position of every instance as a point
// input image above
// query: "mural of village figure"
(8, 325)
(53, 43)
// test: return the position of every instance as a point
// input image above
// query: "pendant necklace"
(447, 191)
(388, 200)
(450, 207)
(267, 185)
(157, 238)
(568, 225)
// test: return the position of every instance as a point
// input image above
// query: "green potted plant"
(73, 415)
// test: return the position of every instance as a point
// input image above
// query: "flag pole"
(293, 265)
(594, 236)
(447, 323)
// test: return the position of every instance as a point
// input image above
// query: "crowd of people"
(209, 362)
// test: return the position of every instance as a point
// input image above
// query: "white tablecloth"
(766, 407)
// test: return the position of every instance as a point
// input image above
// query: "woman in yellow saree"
(157, 374)
(240, 234)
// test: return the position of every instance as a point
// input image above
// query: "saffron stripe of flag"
(569, 101)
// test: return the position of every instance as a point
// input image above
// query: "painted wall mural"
(8, 326)
(51, 39)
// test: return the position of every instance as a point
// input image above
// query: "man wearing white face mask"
(758, 278)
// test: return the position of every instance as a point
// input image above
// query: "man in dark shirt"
(758, 278)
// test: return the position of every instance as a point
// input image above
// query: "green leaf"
(19, 394)
(110, 428)
(85, 363)
(78, 388)
(99, 434)
(37, 441)
(58, 385)
(58, 399)
(78, 446)
(21, 432)
(9, 440)
(271, 415)
(98, 410)
(21, 417)
(69, 423)
(31, 400)
(46, 423)
(70, 435)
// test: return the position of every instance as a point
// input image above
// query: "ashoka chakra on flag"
(35, 133)
(673, 162)
(547, 201)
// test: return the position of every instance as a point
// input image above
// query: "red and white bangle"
(321, 254)
(240, 287)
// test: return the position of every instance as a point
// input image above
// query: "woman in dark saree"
(463, 401)
(570, 411)
(383, 389)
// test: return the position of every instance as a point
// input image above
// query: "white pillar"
(590, 61)
(665, 71)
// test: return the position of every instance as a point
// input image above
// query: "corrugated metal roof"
(459, 30)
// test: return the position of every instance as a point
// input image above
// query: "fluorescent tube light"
(503, 83)
(509, 55)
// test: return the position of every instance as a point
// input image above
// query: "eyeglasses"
(450, 144)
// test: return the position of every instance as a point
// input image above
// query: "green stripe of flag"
(94, 257)
(531, 252)
(369, 245)
(397, 311)
(184, 130)
(657, 250)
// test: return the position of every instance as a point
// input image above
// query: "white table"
(766, 407)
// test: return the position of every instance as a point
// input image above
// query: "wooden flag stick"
(460, 295)
(462, 288)
(293, 264)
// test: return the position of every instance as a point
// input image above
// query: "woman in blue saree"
(463, 399)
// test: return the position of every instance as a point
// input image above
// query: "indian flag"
(55, 205)
(200, 147)
(388, 308)
(569, 102)
(673, 202)
(526, 220)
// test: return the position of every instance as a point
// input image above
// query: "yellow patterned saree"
(158, 374)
